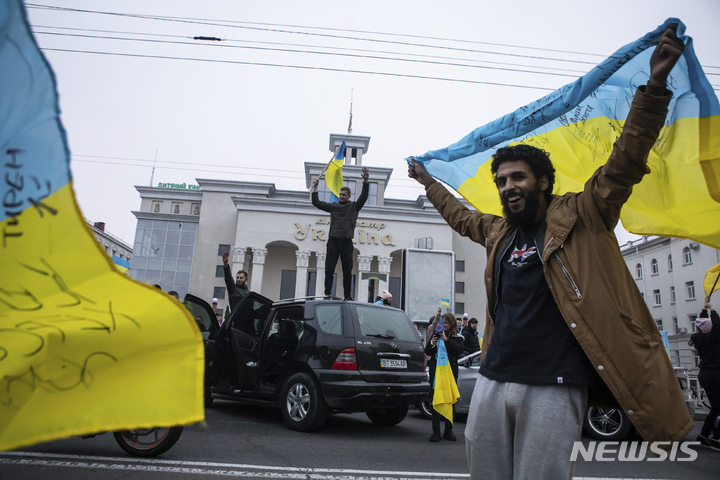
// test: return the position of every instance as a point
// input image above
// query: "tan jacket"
(590, 282)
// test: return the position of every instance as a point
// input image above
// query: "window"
(675, 356)
(690, 290)
(687, 256)
(459, 307)
(372, 193)
(219, 292)
(250, 317)
(459, 265)
(312, 279)
(656, 296)
(459, 287)
(392, 323)
(676, 326)
(669, 263)
(323, 192)
(222, 248)
(219, 273)
(697, 358)
(163, 254)
(693, 325)
(658, 322)
(672, 295)
(292, 322)
(638, 271)
(654, 269)
(288, 281)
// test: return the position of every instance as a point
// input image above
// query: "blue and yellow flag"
(333, 174)
(711, 282)
(120, 263)
(578, 125)
(83, 348)
(445, 387)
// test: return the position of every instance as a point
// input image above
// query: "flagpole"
(714, 284)
(326, 167)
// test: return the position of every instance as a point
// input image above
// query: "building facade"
(279, 238)
(669, 272)
(112, 245)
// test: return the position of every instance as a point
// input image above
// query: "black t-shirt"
(531, 343)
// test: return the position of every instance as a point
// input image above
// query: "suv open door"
(238, 342)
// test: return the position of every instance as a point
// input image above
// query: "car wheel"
(389, 417)
(606, 423)
(426, 408)
(148, 442)
(303, 406)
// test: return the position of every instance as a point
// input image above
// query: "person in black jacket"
(707, 344)
(454, 348)
(343, 216)
(238, 289)
(470, 333)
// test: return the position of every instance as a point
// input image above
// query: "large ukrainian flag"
(578, 124)
(333, 174)
(83, 348)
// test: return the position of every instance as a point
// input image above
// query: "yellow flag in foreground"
(83, 348)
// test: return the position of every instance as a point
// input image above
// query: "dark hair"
(537, 158)
(453, 323)
(348, 190)
(243, 272)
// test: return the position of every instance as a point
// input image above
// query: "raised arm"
(666, 54)
(611, 185)
(468, 223)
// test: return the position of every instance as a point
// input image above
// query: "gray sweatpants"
(523, 432)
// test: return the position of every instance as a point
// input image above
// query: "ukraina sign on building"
(364, 233)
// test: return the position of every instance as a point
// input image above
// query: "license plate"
(392, 363)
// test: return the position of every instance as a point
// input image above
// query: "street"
(251, 442)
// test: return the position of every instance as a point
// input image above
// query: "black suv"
(312, 357)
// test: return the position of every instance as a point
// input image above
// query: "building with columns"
(279, 238)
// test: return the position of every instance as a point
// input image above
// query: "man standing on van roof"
(564, 314)
(343, 216)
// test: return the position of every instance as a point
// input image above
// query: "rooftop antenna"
(350, 123)
(152, 175)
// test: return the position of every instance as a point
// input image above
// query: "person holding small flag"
(444, 347)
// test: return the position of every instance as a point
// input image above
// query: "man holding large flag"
(565, 318)
(343, 216)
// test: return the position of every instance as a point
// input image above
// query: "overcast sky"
(262, 101)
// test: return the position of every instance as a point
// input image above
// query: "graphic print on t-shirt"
(519, 256)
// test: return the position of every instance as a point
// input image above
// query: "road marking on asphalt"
(212, 468)
(224, 469)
